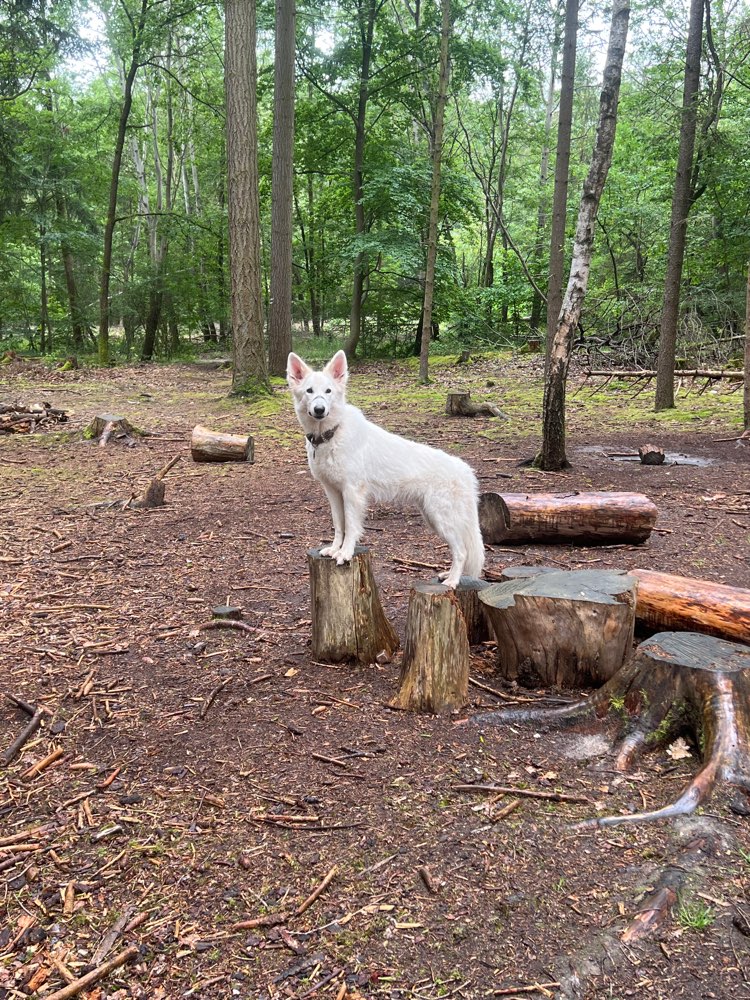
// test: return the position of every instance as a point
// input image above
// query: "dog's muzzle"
(318, 409)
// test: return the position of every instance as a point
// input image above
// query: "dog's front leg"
(337, 515)
(355, 508)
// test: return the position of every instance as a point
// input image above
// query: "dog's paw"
(330, 550)
(343, 556)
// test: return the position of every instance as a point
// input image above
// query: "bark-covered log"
(348, 622)
(435, 666)
(213, 446)
(569, 629)
(459, 404)
(599, 518)
(651, 454)
(678, 602)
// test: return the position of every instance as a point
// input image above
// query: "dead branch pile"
(19, 418)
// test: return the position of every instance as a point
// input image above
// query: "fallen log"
(732, 374)
(213, 446)
(348, 622)
(684, 604)
(20, 418)
(597, 518)
(568, 629)
(459, 404)
(435, 666)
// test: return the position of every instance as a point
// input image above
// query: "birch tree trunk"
(552, 455)
(681, 199)
(562, 167)
(250, 374)
(437, 154)
(282, 190)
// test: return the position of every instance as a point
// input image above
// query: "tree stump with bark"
(348, 622)
(109, 427)
(568, 629)
(459, 404)
(435, 666)
(651, 454)
(213, 446)
(596, 518)
(679, 602)
(676, 683)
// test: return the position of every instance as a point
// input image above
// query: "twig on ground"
(317, 892)
(79, 985)
(527, 792)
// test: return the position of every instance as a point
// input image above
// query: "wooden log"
(597, 518)
(676, 683)
(459, 404)
(684, 604)
(732, 374)
(651, 454)
(568, 629)
(213, 446)
(348, 622)
(435, 666)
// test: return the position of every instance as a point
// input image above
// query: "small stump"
(109, 427)
(212, 446)
(596, 518)
(459, 404)
(478, 628)
(435, 666)
(570, 629)
(651, 454)
(348, 622)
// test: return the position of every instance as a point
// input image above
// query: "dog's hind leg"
(355, 508)
(337, 515)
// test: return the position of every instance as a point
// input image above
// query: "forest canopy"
(366, 86)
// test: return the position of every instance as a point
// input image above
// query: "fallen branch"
(42, 765)
(317, 892)
(226, 623)
(733, 374)
(526, 792)
(267, 920)
(25, 735)
(79, 985)
(212, 696)
(544, 988)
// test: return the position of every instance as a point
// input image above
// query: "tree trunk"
(680, 208)
(746, 393)
(45, 333)
(565, 629)
(109, 226)
(677, 602)
(435, 666)
(250, 374)
(348, 622)
(437, 154)
(597, 518)
(552, 455)
(282, 190)
(562, 166)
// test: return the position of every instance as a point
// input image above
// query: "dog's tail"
(474, 547)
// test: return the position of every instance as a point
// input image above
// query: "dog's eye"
(328, 390)
(310, 390)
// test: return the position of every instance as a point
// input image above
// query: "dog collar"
(316, 440)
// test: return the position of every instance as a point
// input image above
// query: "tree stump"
(651, 454)
(570, 629)
(109, 427)
(435, 666)
(578, 518)
(213, 446)
(348, 622)
(478, 628)
(525, 572)
(459, 404)
(677, 682)
(679, 602)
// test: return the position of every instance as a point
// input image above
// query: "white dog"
(357, 462)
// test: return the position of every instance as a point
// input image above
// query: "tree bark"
(552, 455)
(250, 374)
(746, 393)
(282, 190)
(596, 518)
(562, 167)
(435, 666)
(681, 199)
(677, 602)
(213, 446)
(566, 629)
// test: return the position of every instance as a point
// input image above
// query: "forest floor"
(212, 777)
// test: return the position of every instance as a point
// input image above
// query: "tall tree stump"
(596, 518)
(478, 628)
(678, 602)
(213, 446)
(570, 629)
(348, 622)
(435, 666)
(676, 683)
(460, 404)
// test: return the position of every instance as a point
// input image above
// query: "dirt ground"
(211, 777)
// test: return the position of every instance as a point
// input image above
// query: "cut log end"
(348, 622)
(651, 454)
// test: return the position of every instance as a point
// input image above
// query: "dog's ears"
(296, 369)
(337, 367)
